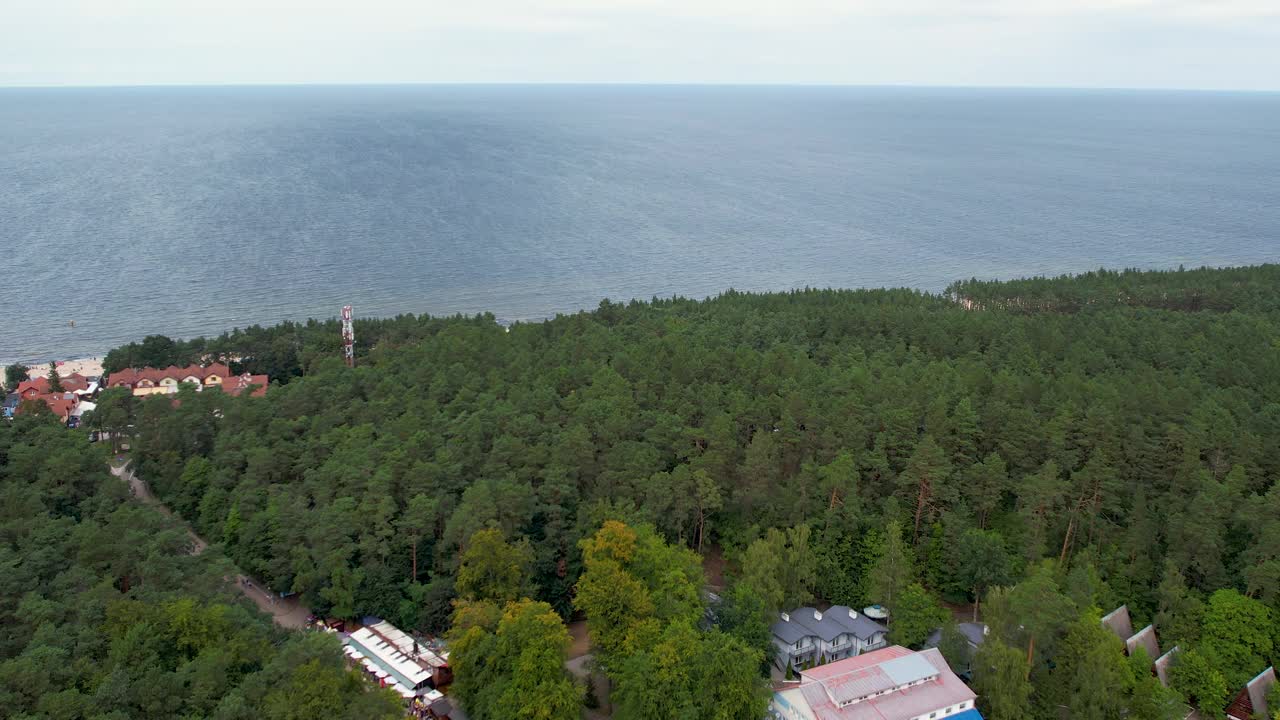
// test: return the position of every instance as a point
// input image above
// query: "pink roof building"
(889, 684)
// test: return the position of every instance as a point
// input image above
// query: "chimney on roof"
(817, 615)
(853, 613)
(785, 617)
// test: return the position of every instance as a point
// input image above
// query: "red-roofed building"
(151, 381)
(60, 404)
(236, 385)
(889, 684)
(29, 389)
(1251, 701)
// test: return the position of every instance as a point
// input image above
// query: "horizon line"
(624, 83)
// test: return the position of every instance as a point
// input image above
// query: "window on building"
(962, 705)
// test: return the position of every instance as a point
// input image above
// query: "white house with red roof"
(889, 684)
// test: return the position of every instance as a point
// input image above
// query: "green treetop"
(55, 380)
(892, 570)
(15, 374)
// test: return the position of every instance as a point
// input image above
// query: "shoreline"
(89, 367)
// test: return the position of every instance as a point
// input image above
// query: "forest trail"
(287, 612)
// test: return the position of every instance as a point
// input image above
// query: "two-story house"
(807, 636)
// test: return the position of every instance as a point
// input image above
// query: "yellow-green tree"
(643, 606)
(494, 569)
(509, 664)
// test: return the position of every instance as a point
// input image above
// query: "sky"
(1194, 44)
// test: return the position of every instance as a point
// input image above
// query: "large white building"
(893, 683)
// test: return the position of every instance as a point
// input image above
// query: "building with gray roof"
(807, 636)
(975, 633)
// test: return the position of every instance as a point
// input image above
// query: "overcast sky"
(1217, 44)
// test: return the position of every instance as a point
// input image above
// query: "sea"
(186, 211)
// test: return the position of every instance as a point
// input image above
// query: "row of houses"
(69, 404)
(806, 637)
(154, 381)
(1249, 702)
(78, 390)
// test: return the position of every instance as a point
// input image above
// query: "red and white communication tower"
(348, 337)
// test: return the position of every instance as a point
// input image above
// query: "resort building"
(413, 670)
(62, 404)
(152, 381)
(1119, 622)
(74, 383)
(806, 637)
(974, 635)
(1162, 664)
(1251, 702)
(68, 404)
(892, 683)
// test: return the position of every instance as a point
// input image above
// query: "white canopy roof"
(388, 657)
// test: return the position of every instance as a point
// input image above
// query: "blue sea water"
(188, 211)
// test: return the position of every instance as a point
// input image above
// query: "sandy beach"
(89, 367)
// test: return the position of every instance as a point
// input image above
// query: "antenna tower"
(348, 337)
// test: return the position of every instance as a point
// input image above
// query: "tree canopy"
(1118, 426)
(108, 615)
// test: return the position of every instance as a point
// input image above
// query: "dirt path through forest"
(287, 612)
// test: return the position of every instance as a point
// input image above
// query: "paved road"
(287, 612)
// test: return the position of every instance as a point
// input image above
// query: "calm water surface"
(189, 211)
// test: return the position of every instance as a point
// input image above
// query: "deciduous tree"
(916, 613)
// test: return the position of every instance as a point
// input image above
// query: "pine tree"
(985, 483)
(924, 479)
(55, 381)
(893, 569)
(1040, 498)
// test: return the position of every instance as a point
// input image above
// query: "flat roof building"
(893, 683)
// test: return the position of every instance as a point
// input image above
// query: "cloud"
(916, 41)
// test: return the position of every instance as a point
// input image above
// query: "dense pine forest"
(107, 616)
(1034, 453)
